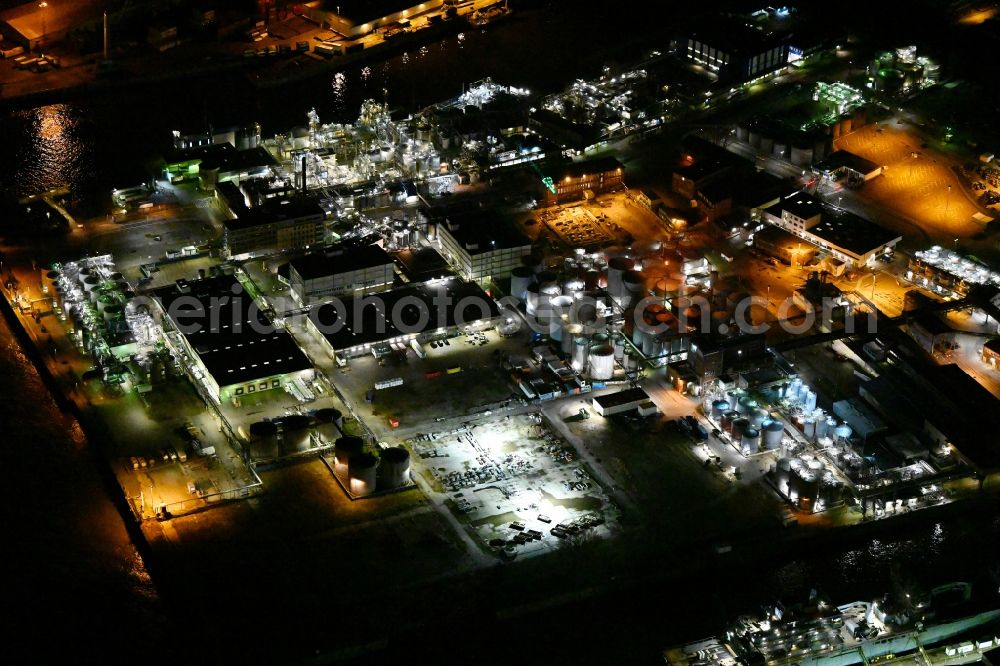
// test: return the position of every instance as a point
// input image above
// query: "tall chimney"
(105, 35)
(303, 174)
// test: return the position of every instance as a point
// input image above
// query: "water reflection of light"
(55, 155)
(406, 58)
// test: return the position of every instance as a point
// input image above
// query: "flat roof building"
(843, 162)
(847, 237)
(360, 17)
(277, 224)
(480, 244)
(621, 401)
(340, 270)
(234, 349)
(361, 324)
(735, 51)
(574, 180)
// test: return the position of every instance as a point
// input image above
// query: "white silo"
(750, 441)
(810, 400)
(361, 472)
(346, 448)
(520, 279)
(602, 362)
(719, 407)
(581, 353)
(774, 432)
(616, 272)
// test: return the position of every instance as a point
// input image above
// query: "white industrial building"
(319, 276)
(481, 246)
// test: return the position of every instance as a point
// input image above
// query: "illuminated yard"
(521, 489)
(917, 183)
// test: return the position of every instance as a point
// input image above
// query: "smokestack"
(105, 35)
(303, 174)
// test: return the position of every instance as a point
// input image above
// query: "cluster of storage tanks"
(653, 293)
(802, 148)
(295, 433)
(808, 483)
(749, 425)
(901, 70)
(363, 473)
(91, 293)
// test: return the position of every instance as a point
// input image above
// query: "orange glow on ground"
(916, 187)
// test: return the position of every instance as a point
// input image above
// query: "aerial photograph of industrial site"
(500, 332)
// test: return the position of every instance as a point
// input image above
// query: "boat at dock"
(860, 632)
(488, 15)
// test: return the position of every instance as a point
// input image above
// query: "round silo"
(802, 154)
(808, 487)
(728, 418)
(569, 337)
(91, 283)
(739, 427)
(328, 424)
(520, 279)
(742, 133)
(750, 442)
(719, 407)
(104, 300)
(842, 432)
(753, 136)
(823, 425)
(631, 361)
(766, 145)
(616, 272)
(774, 431)
(602, 362)
(394, 468)
(263, 443)
(362, 471)
(559, 308)
(809, 427)
(346, 448)
(49, 280)
(745, 405)
(810, 400)
(113, 311)
(633, 288)
(757, 417)
(581, 353)
(532, 296)
(295, 434)
(780, 149)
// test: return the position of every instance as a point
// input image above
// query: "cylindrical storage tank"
(842, 432)
(616, 273)
(774, 431)
(602, 362)
(618, 344)
(112, 311)
(361, 472)
(548, 279)
(594, 279)
(544, 308)
(90, 283)
(574, 284)
(569, 337)
(802, 155)
(520, 279)
(739, 427)
(329, 422)
(534, 262)
(766, 145)
(780, 149)
(757, 417)
(666, 288)
(581, 354)
(822, 425)
(809, 427)
(394, 468)
(753, 136)
(808, 486)
(104, 300)
(750, 442)
(810, 400)
(263, 443)
(559, 307)
(728, 418)
(532, 298)
(746, 405)
(346, 448)
(630, 360)
(49, 280)
(295, 435)
(742, 133)
(719, 407)
(633, 287)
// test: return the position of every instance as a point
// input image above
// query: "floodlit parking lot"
(518, 486)
(918, 183)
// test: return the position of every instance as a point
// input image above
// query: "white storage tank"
(757, 417)
(750, 442)
(581, 353)
(719, 407)
(633, 287)
(520, 279)
(112, 311)
(842, 432)
(394, 468)
(361, 473)
(602, 362)
(774, 432)
(569, 336)
(616, 273)
(739, 427)
(49, 280)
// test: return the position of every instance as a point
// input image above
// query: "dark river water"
(74, 571)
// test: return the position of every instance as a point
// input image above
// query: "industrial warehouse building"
(574, 180)
(845, 236)
(480, 244)
(360, 17)
(231, 347)
(622, 401)
(736, 52)
(317, 277)
(277, 224)
(424, 311)
(842, 163)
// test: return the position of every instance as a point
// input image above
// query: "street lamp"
(43, 6)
